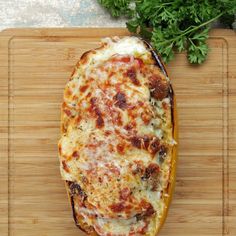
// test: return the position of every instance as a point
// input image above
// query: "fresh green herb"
(174, 25)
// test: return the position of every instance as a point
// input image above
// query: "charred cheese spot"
(147, 207)
(138, 168)
(75, 154)
(140, 142)
(100, 121)
(152, 170)
(162, 153)
(120, 100)
(154, 146)
(159, 87)
(131, 74)
(98, 113)
(93, 102)
(151, 175)
(149, 210)
(151, 144)
(136, 141)
(75, 189)
(118, 207)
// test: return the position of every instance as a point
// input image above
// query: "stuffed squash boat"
(118, 139)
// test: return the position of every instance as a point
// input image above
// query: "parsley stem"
(187, 31)
(203, 24)
(167, 3)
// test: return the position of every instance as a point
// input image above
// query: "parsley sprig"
(174, 25)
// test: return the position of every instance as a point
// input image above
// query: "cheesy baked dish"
(118, 140)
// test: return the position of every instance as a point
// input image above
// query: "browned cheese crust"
(118, 146)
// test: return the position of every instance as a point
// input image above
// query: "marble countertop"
(54, 13)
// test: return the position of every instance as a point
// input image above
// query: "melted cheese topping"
(117, 138)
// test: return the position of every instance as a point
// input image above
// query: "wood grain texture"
(4, 104)
(35, 65)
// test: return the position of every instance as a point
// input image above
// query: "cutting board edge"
(8, 34)
(83, 31)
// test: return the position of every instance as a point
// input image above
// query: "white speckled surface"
(54, 13)
(57, 13)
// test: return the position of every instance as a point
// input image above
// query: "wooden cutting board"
(34, 67)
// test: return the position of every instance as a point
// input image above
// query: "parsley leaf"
(174, 25)
(117, 7)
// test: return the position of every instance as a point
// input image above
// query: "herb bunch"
(174, 25)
